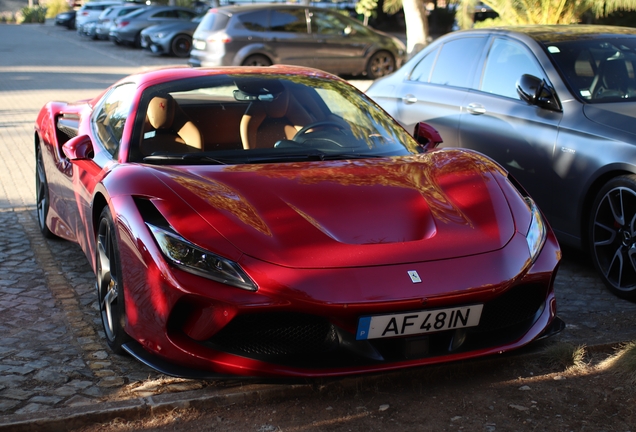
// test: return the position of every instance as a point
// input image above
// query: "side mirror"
(426, 136)
(79, 147)
(536, 91)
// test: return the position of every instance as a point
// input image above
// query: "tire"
(181, 46)
(612, 235)
(110, 286)
(137, 42)
(42, 195)
(380, 64)
(256, 60)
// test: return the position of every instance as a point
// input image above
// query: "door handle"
(409, 99)
(476, 109)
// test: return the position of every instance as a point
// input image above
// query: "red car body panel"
(334, 239)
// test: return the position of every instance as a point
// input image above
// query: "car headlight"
(537, 231)
(195, 260)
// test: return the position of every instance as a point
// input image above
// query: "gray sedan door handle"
(476, 109)
(409, 99)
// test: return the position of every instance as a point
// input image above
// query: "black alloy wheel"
(613, 235)
(181, 45)
(256, 60)
(380, 64)
(110, 289)
(42, 195)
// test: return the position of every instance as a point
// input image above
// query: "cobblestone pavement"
(52, 351)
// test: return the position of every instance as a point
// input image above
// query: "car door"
(289, 37)
(340, 45)
(435, 89)
(496, 122)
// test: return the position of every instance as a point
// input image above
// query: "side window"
(289, 20)
(507, 61)
(254, 21)
(326, 23)
(456, 61)
(422, 71)
(110, 118)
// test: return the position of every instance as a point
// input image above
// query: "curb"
(135, 409)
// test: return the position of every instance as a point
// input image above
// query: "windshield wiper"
(188, 158)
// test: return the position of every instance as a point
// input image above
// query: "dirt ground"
(560, 388)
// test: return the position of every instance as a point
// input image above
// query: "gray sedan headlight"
(195, 260)
(537, 231)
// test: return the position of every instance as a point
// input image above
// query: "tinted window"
(110, 118)
(456, 61)
(507, 61)
(422, 71)
(254, 21)
(292, 20)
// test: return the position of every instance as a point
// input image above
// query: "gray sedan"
(556, 107)
(127, 29)
(171, 39)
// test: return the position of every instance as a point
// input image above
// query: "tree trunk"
(416, 20)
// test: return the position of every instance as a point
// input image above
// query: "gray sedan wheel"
(613, 235)
(110, 289)
(181, 45)
(380, 64)
(256, 60)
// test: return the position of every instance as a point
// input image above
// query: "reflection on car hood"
(437, 205)
(618, 115)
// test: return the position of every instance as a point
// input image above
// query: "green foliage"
(367, 8)
(7, 17)
(31, 15)
(54, 7)
(624, 18)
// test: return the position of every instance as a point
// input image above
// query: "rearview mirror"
(78, 148)
(426, 136)
(536, 91)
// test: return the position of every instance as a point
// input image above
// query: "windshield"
(259, 118)
(597, 70)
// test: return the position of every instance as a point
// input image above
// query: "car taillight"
(123, 23)
(219, 38)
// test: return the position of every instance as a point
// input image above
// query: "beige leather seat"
(264, 123)
(168, 128)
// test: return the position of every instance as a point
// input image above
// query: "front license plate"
(418, 322)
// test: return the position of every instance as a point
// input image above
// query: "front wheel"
(42, 195)
(380, 64)
(181, 45)
(256, 60)
(110, 286)
(612, 235)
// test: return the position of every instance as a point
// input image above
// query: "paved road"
(52, 354)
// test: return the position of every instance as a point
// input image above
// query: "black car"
(556, 107)
(66, 19)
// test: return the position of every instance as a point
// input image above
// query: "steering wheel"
(324, 123)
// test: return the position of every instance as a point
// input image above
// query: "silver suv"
(295, 35)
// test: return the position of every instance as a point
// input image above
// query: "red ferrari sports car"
(274, 221)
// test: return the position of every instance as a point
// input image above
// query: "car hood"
(434, 206)
(619, 115)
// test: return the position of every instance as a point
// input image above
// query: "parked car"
(107, 17)
(555, 106)
(127, 29)
(66, 19)
(90, 11)
(172, 39)
(265, 34)
(274, 221)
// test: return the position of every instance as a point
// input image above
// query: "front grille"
(277, 334)
(517, 306)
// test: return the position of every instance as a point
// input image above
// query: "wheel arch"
(99, 203)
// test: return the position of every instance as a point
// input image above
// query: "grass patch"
(623, 362)
(565, 355)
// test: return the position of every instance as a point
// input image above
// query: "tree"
(416, 21)
(520, 12)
